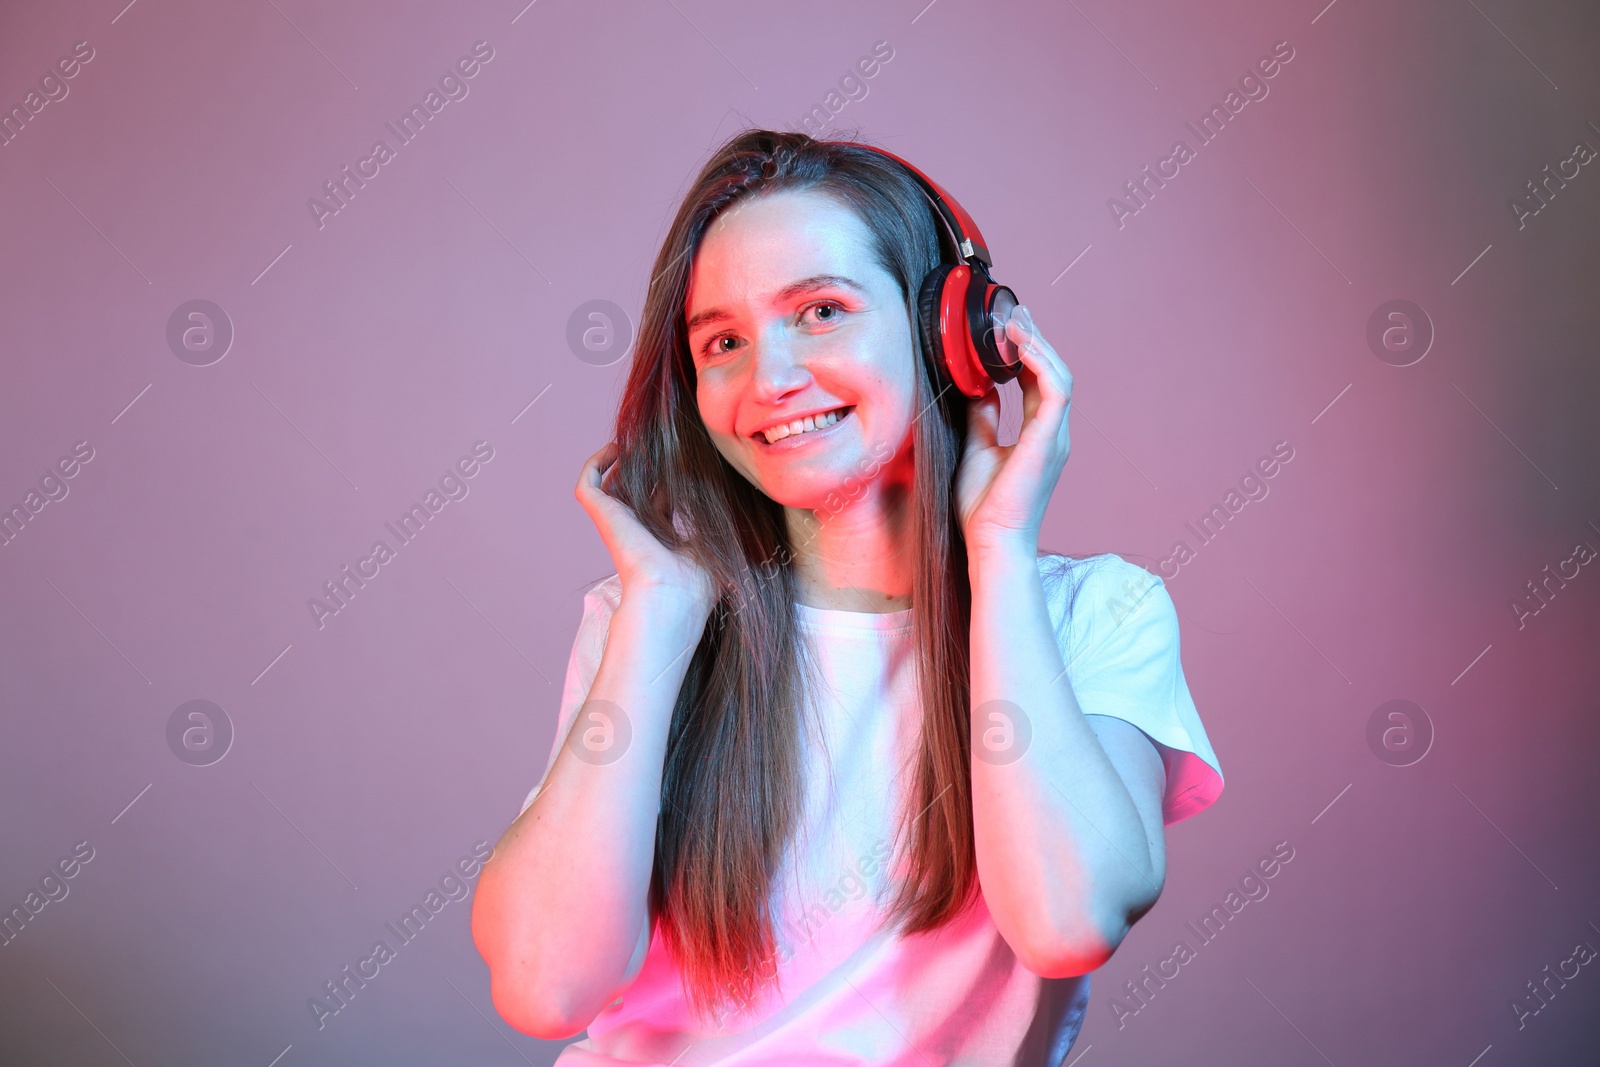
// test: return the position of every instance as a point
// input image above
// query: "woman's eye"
(826, 304)
(710, 347)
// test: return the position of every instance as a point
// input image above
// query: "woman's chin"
(819, 503)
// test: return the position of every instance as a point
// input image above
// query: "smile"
(805, 427)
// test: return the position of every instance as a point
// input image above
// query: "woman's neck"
(856, 559)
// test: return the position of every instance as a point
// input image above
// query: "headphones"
(959, 303)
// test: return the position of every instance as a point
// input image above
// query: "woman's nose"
(777, 368)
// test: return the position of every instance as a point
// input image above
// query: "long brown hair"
(732, 783)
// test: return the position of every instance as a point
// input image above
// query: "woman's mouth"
(792, 434)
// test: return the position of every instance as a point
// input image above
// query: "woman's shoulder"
(1074, 571)
(601, 598)
(1089, 585)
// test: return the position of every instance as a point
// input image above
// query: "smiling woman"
(772, 356)
(831, 629)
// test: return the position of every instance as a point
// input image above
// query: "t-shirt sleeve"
(1118, 631)
(582, 665)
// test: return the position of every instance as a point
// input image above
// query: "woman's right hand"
(643, 562)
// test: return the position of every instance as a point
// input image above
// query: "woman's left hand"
(1002, 490)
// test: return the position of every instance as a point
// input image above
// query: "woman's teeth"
(818, 422)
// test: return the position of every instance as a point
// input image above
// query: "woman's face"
(789, 316)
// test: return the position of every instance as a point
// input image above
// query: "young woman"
(846, 771)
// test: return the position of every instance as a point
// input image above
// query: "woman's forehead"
(776, 242)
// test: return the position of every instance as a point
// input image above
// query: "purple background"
(1227, 315)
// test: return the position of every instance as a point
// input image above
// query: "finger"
(589, 473)
(608, 465)
(591, 488)
(1026, 332)
(1028, 377)
(1039, 356)
(1047, 404)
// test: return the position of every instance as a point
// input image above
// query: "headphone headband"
(969, 240)
(959, 304)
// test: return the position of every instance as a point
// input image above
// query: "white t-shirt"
(850, 992)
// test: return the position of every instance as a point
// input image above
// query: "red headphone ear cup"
(928, 315)
(946, 292)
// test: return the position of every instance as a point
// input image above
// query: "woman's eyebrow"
(787, 293)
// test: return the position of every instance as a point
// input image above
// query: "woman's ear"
(681, 524)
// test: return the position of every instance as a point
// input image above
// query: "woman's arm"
(1069, 835)
(561, 912)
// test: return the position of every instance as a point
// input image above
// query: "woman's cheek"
(714, 410)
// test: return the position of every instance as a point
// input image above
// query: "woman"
(845, 772)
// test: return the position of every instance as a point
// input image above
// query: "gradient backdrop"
(233, 456)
